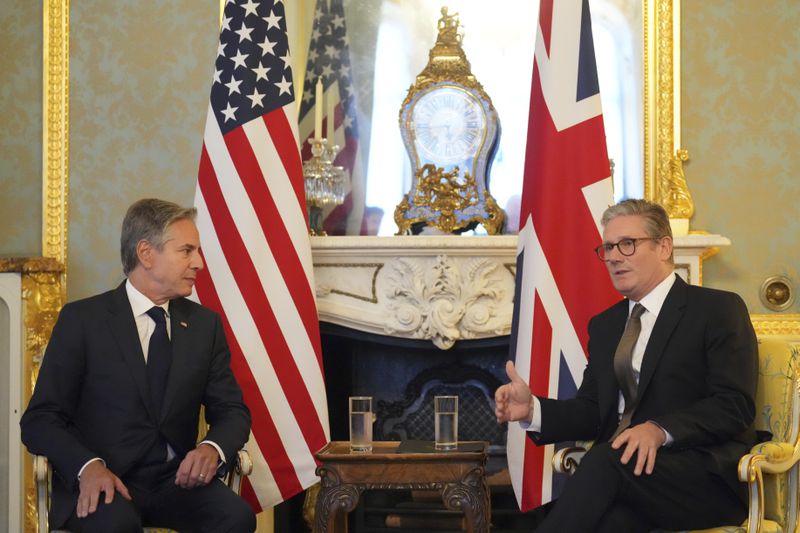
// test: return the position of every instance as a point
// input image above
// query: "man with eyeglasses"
(668, 395)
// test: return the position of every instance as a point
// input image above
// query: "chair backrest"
(778, 412)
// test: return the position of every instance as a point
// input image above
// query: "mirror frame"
(662, 90)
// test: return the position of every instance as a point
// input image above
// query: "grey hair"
(656, 219)
(148, 220)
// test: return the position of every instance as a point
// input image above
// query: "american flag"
(252, 220)
(566, 186)
(329, 60)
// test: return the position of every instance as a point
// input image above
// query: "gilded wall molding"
(776, 324)
(661, 96)
(55, 131)
(44, 279)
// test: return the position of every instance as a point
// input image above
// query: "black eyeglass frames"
(626, 247)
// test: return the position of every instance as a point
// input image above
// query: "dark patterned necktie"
(623, 366)
(159, 358)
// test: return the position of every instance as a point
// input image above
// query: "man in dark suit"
(117, 401)
(668, 395)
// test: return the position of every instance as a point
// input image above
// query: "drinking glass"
(446, 422)
(361, 424)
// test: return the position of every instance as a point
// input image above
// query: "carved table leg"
(335, 499)
(470, 496)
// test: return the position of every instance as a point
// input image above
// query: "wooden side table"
(458, 476)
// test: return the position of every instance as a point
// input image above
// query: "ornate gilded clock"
(450, 129)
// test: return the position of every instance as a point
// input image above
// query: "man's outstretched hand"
(513, 400)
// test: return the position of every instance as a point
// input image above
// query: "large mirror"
(637, 61)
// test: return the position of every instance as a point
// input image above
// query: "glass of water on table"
(361, 424)
(446, 422)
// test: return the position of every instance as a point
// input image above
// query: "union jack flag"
(560, 283)
(329, 60)
(251, 207)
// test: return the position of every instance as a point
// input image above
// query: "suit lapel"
(668, 318)
(123, 328)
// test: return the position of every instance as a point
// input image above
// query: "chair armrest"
(242, 467)
(771, 457)
(566, 460)
(41, 469)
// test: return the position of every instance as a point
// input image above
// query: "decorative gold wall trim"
(43, 295)
(788, 324)
(662, 107)
(55, 131)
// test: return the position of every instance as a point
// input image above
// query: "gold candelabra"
(324, 182)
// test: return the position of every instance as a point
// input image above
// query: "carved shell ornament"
(444, 302)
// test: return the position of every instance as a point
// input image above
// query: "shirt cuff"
(535, 424)
(216, 447)
(80, 472)
(668, 440)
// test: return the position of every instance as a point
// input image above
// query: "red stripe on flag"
(533, 467)
(264, 431)
(546, 22)
(280, 244)
(541, 346)
(282, 136)
(539, 380)
(244, 272)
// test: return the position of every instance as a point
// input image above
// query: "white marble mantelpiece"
(440, 288)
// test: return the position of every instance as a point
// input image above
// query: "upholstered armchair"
(242, 467)
(771, 468)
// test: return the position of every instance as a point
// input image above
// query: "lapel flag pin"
(184, 324)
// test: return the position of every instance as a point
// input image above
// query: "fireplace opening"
(403, 376)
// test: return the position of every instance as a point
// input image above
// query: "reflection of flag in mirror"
(251, 208)
(566, 186)
(329, 59)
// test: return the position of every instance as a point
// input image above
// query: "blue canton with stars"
(329, 58)
(253, 74)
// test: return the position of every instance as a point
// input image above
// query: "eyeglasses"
(626, 247)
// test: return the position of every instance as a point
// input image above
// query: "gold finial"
(678, 201)
(448, 29)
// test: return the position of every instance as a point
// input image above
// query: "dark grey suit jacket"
(698, 379)
(91, 397)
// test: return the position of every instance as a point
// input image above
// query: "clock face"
(449, 125)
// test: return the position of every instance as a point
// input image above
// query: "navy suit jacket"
(91, 397)
(697, 381)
